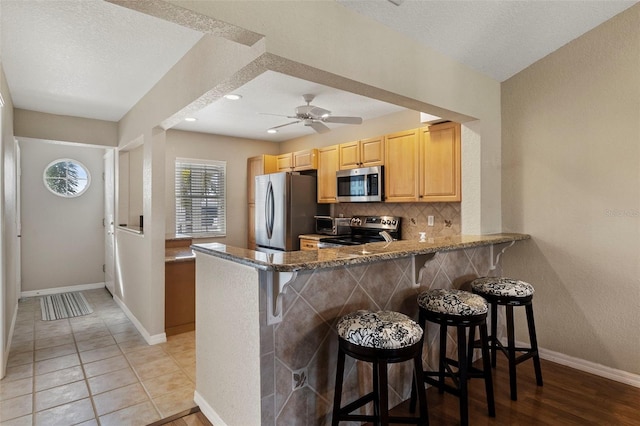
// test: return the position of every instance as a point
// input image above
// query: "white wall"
(62, 238)
(571, 178)
(235, 152)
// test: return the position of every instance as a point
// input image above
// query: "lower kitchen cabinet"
(179, 297)
(307, 244)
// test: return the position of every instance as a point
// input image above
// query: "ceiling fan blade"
(343, 120)
(282, 125)
(318, 127)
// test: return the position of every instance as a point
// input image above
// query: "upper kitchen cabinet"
(440, 174)
(423, 165)
(305, 160)
(297, 161)
(362, 153)
(327, 167)
(260, 165)
(284, 162)
(402, 150)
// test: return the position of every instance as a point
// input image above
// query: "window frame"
(217, 202)
(46, 179)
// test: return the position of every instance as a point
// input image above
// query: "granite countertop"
(179, 254)
(349, 255)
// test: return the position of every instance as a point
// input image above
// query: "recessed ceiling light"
(232, 97)
(272, 131)
(190, 119)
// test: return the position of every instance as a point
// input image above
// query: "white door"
(109, 219)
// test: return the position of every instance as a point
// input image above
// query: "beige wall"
(39, 125)
(235, 152)
(571, 178)
(9, 249)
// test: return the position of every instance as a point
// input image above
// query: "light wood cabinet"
(328, 164)
(402, 152)
(307, 244)
(284, 162)
(297, 161)
(440, 163)
(424, 164)
(305, 160)
(362, 153)
(259, 165)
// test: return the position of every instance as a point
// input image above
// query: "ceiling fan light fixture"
(233, 97)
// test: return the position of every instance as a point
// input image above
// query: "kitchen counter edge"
(350, 255)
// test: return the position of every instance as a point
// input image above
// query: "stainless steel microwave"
(361, 185)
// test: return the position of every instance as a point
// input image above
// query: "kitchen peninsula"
(266, 345)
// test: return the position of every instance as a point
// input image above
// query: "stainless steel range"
(366, 229)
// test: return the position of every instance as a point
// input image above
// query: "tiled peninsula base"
(285, 373)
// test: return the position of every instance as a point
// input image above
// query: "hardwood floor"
(568, 397)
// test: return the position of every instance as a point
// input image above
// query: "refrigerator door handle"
(269, 210)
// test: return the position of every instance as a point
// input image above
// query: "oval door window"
(66, 177)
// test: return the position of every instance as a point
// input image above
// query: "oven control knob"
(394, 222)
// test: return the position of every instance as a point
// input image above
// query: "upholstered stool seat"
(452, 302)
(465, 311)
(379, 338)
(502, 287)
(508, 292)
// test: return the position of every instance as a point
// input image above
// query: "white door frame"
(109, 220)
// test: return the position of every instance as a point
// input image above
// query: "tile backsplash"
(446, 216)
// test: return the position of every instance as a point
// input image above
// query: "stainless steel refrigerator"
(285, 208)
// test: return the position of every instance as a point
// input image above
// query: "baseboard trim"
(57, 290)
(152, 339)
(207, 410)
(587, 366)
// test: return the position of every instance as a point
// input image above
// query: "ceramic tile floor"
(93, 370)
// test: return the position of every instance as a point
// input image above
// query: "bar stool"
(379, 338)
(509, 293)
(465, 311)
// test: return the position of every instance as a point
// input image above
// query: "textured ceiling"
(85, 58)
(496, 38)
(96, 59)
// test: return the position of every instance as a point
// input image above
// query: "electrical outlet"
(429, 220)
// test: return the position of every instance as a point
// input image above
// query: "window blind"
(201, 197)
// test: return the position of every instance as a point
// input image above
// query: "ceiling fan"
(314, 117)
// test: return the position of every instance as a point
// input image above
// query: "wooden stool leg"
(511, 349)
(383, 392)
(443, 356)
(494, 333)
(422, 395)
(337, 398)
(463, 366)
(534, 343)
(486, 368)
(376, 389)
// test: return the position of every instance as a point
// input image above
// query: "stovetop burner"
(366, 229)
